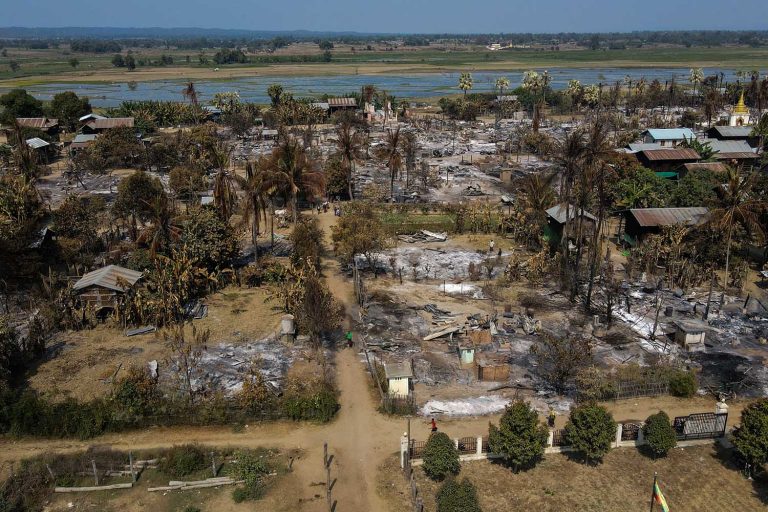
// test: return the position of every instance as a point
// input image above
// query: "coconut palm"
(349, 144)
(224, 192)
(163, 229)
(293, 172)
(738, 204)
(465, 82)
(258, 187)
(389, 152)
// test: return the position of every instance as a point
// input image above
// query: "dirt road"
(360, 438)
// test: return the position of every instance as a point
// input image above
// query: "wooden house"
(101, 125)
(666, 160)
(641, 222)
(102, 288)
(556, 217)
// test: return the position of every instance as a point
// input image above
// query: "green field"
(39, 66)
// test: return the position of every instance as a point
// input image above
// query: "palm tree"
(190, 93)
(224, 193)
(349, 144)
(163, 230)
(258, 188)
(410, 145)
(570, 154)
(696, 77)
(465, 82)
(501, 84)
(738, 204)
(537, 83)
(293, 172)
(389, 152)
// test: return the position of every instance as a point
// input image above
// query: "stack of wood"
(175, 485)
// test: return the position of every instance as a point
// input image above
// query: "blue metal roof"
(671, 133)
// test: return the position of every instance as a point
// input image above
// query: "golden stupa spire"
(741, 107)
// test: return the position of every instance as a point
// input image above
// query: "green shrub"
(751, 438)
(659, 435)
(183, 460)
(590, 431)
(520, 437)
(683, 384)
(250, 467)
(321, 406)
(457, 497)
(440, 457)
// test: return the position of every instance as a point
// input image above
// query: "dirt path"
(360, 439)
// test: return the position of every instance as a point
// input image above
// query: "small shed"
(557, 215)
(492, 369)
(690, 334)
(399, 378)
(336, 104)
(101, 288)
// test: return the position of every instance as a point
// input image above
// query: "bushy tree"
(78, 218)
(306, 239)
(520, 437)
(456, 496)
(186, 182)
(660, 436)
(359, 231)
(751, 438)
(19, 103)
(116, 148)
(208, 240)
(683, 384)
(441, 458)
(135, 196)
(590, 431)
(68, 108)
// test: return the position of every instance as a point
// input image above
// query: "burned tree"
(185, 355)
(559, 358)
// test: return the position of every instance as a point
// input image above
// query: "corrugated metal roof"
(91, 116)
(398, 371)
(656, 155)
(321, 105)
(111, 122)
(651, 217)
(107, 277)
(342, 102)
(670, 133)
(41, 123)
(84, 138)
(709, 166)
(37, 143)
(728, 146)
(737, 156)
(733, 131)
(644, 146)
(560, 211)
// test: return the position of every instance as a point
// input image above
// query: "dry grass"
(692, 479)
(89, 358)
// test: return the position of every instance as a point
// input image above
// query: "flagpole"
(653, 491)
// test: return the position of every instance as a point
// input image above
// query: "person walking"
(434, 425)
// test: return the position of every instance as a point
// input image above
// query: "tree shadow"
(731, 461)
(516, 468)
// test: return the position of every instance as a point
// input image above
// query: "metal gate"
(706, 425)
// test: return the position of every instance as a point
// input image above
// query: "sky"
(408, 16)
